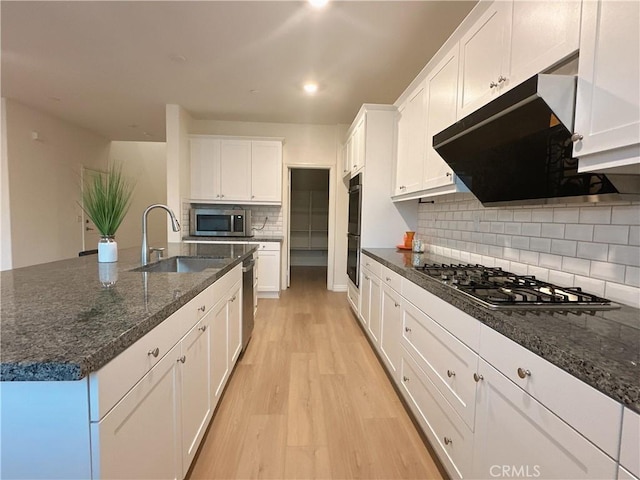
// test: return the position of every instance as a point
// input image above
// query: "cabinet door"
(358, 147)
(205, 168)
(266, 171)
(235, 170)
(391, 330)
(219, 345)
(195, 382)
(543, 33)
(269, 266)
(140, 436)
(235, 323)
(411, 146)
(365, 297)
(484, 58)
(442, 98)
(516, 436)
(608, 98)
(375, 304)
(345, 160)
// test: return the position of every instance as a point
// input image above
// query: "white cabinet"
(630, 442)
(411, 143)
(517, 433)
(235, 323)
(269, 268)
(220, 348)
(442, 97)
(391, 328)
(236, 170)
(354, 152)
(484, 58)
(608, 97)
(370, 304)
(139, 437)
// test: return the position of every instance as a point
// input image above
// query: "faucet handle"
(158, 250)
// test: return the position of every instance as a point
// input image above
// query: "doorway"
(308, 223)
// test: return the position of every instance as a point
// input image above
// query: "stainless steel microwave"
(215, 222)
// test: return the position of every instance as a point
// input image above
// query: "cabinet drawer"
(391, 278)
(269, 246)
(592, 413)
(464, 327)
(110, 383)
(447, 433)
(629, 456)
(370, 264)
(447, 362)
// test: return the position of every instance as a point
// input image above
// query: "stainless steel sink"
(183, 265)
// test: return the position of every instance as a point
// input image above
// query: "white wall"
(145, 163)
(595, 246)
(178, 178)
(304, 145)
(44, 181)
(5, 211)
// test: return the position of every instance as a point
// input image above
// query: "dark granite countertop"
(255, 238)
(58, 321)
(602, 350)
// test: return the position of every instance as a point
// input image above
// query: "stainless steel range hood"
(518, 149)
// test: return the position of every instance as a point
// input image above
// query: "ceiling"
(112, 66)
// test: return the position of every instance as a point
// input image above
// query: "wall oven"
(215, 222)
(353, 232)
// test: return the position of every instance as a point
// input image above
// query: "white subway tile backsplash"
(539, 273)
(497, 227)
(497, 252)
(576, 265)
(611, 234)
(503, 264)
(530, 258)
(511, 254)
(491, 214)
(607, 271)
(513, 228)
(578, 232)
(632, 276)
(564, 247)
(519, 268)
(634, 236)
(566, 215)
(550, 261)
(482, 249)
(552, 230)
(475, 258)
(540, 244)
(625, 215)
(562, 279)
(623, 293)
(595, 215)
(505, 215)
(542, 215)
(593, 251)
(522, 216)
(489, 238)
(520, 242)
(590, 285)
(624, 255)
(531, 229)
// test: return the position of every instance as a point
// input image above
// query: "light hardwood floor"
(309, 399)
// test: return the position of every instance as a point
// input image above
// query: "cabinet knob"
(253, 196)
(202, 308)
(477, 377)
(155, 352)
(405, 379)
(367, 277)
(388, 279)
(576, 137)
(447, 441)
(493, 85)
(221, 196)
(502, 79)
(451, 373)
(407, 329)
(396, 304)
(202, 328)
(233, 299)
(523, 373)
(182, 359)
(448, 174)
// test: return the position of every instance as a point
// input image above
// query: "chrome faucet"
(174, 224)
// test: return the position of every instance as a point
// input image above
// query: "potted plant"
(106, 198)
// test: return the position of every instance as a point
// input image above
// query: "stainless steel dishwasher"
(247, 300)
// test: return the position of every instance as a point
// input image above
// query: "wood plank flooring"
(309, 399)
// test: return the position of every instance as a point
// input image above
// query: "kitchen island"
(112, 372)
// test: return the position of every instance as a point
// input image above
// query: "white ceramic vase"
(107, 250)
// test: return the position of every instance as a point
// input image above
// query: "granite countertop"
(602, 350)
(58, 321)
(255, 238)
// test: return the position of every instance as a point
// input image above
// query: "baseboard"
(339, 288)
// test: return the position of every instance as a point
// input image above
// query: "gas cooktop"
(500, 290)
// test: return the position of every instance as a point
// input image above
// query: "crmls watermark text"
(515, 471)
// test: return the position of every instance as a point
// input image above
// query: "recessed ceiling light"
(318, 3)
(310, 88)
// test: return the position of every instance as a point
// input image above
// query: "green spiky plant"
(106, 198)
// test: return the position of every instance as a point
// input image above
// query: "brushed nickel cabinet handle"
(493, 85)
(405, 379)
(407, 329)
(202, 308)
(523, 373)
(447, 441)
(576, 137)
(451, 373)
(502, 79)
(477, 377)
(155, 352)
(182, 359)
(202, 328)
(396, 304)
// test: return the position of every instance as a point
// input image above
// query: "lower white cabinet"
(516, 436)
(353, 297)
(370, 304)
(139, 437)
(391, 329)
(269, 268)
(629, 452)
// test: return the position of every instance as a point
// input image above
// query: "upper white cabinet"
(354, 154)
(411, 143)
(608, 97)
(510, 42)
(484, 58)
(236, 170)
